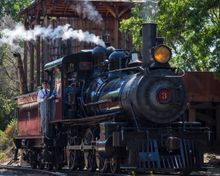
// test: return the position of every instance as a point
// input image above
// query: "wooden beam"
(202, 105)
(122, 12)
(218, 123)
(111, 11)
(208, 119)
(116, 32)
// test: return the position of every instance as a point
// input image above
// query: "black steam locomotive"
(117, 111)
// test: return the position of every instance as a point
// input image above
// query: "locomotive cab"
(67, 76)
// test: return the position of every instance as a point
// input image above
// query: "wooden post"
(22, 79)
(25, 59)
(31, 78)
(38, 61)
(116, 32)
(45, 50)
(218, 123)
(69, 46)
(42, 60)
(192, 115)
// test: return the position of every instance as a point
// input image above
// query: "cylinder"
(149, 41)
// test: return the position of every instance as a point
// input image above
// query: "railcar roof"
(53, 63)
(60, 61)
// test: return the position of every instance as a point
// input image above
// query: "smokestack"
(149, 41)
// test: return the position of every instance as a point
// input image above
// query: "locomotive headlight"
(161, 54)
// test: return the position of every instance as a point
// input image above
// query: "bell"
(134, 58)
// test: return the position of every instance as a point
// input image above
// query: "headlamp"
(161, 54)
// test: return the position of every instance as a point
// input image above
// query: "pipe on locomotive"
(149, 41)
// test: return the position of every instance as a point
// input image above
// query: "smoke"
(87, 10)
(149, 10)
(7, 22)
(12, 36)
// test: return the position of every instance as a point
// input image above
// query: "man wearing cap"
(42, 98)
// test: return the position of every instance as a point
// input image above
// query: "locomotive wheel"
(102, 164)
(88, 137)
(89, 156)
(57, 161)
(114, 165)
(58, 166)
(41, 165)
(73, 160)
(49, 166)
(75, 157)
(91, 162)
(40, 161)
(76, 160)
(33, 165)
(81, 162)
(32, 159)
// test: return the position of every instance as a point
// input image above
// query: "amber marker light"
(161, 54)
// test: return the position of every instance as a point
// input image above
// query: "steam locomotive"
(113, 111)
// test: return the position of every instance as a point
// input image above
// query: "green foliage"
(140, 13)
(4, 142)
(2, 156)
(11, 130)
(132, 25)
(190, 27)
(13, 7)
(8, 86)
(7, 137)
(6, 110)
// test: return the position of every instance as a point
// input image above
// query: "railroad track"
(66, 172)
(29, 171)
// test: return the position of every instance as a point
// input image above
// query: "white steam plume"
(149, 10)
(19, 33)
(6, 22)
(87, 10)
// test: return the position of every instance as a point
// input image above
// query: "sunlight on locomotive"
(162, 54)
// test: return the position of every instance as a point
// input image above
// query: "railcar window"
(57, 76)
(70, 67)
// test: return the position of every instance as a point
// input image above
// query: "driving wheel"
(102, 164)
(114, 165)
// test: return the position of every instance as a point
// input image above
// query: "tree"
(8, 64)
(190, 27)
(13, 7)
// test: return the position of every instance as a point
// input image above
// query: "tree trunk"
(22, 79)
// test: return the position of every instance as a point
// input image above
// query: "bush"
(4, 141)
(6, 137)
(2, 156)
(11, 129)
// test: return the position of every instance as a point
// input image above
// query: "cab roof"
(85, 54)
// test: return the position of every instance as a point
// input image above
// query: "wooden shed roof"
(67, 8)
